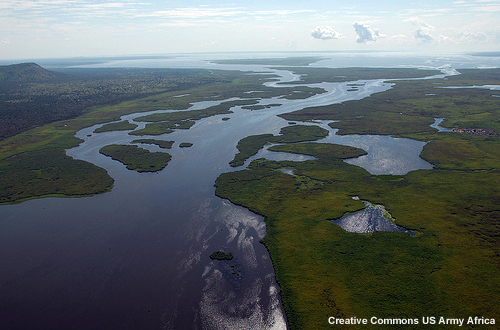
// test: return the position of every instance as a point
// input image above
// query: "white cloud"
(423, 31)
(366, 34)
(325, 32)
(424, 35)
(194, 13)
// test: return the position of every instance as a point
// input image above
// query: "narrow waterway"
(138, 256)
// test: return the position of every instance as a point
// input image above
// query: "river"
(138, 256)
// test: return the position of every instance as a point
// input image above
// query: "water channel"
(138, 256)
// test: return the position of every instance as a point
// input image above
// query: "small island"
(119, 126)
(137, 159)
(160, 143)
(185, 145)
(219, 255)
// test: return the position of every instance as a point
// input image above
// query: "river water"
(138, 256)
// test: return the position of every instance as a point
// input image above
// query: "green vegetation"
(160, 143)
(219, 255)
(137, 159)
(250, 145)
(323, 151)
(451, 266)
(49, 172)
(119, 126)
(185, 145)
(26, 71)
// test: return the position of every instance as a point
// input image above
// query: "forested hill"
(30, 72)
(32, 96)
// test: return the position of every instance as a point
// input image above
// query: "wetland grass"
(449, 268)
(119, 126)
(137, 159)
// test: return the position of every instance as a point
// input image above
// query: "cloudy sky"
(66, 28)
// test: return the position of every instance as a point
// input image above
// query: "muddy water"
(138, 256)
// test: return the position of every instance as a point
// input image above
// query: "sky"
(73, 28)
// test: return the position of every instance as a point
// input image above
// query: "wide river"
(138, 256)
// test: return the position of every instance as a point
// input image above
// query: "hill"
(31, 72)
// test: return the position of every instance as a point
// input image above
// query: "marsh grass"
(451, 266)
(49, 172)
(119, 126)
(137, 159)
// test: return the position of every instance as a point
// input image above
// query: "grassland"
(136, 158)
(451, 267)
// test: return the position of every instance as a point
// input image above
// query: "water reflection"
(372, 218)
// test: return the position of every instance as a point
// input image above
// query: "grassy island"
(119, 126)
(49, 172)
(219, 255)
(137, 159)
(250, 145)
